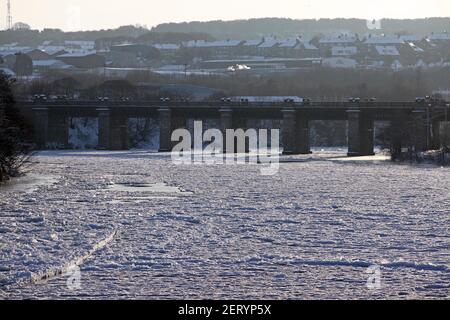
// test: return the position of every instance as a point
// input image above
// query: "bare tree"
(15, 134)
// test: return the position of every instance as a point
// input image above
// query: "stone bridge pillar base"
(226, 122)
(119, 132)
(112, 130)
(288, 132)
(103, 128)
(420, 135)
(302, 145)
(165, 130)
(58, 131)
(360, 134)
(398, 128)
(436, 140)
(446, 136)
(295, 133)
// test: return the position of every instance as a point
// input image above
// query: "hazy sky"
(96, 14)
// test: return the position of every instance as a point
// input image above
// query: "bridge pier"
(446, 136)
(40, 125)
(165, 130)
(295, 133)
(178, 122)
(103, 128)
(420, 131)
(226, 122)
(119, 132)
(398, 131)
(302, 145)
(58, 131)
(288, 131)
(360, 134)
(241, 123)
(112, 130)
(436, 134)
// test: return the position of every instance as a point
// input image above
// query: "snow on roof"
(387, 50)
(80, 42)
(383, 40)
(289, 43)
(7, 72)
(51, 49)
(338, 39)
(4, 53)
(338, 62)
(212, 44)
(344, 51)
(266, 98)
(12, 50)
(127, 44)
(439, 36)
(172, 67)
(259, 59)
(46, 63)
(306, 43)
(13, 44)
(252, 43)
(309, 46)
(77, 54)
(34, 51)
(268, 43)
(415, 48)
(166, 46)
(411, 38)
(87, 45)
(51, 63)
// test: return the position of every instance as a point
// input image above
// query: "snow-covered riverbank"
(140, 227)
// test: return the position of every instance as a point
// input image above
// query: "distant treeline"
(132, 34)
(255, 28)
(36, 37)
(237, 29)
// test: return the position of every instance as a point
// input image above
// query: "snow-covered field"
(140, 227)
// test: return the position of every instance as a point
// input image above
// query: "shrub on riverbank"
(15, 134)
(440, 157)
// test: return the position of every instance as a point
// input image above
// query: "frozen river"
(139, 226)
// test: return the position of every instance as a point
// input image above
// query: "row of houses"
(68, 56)
(347, 50)
(343, 45)
(337, 51)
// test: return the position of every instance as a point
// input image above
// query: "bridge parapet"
(219, 104)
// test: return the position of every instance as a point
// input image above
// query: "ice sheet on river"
(214, 231)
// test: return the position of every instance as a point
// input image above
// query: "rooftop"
(387, 50)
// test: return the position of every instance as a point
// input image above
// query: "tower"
(8, 16)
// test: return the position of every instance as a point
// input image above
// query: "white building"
(387, 51)
(340, 62)
(344, 51)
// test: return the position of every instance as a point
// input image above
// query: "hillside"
(254, 28)
(237, 29)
